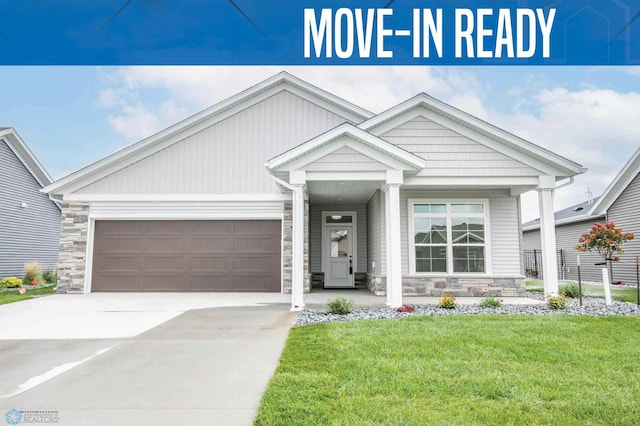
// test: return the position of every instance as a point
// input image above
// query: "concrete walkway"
(203, 367)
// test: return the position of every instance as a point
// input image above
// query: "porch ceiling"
(339, 192)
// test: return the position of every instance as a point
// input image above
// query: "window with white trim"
(449, 237)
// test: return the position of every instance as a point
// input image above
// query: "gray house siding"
(625, 212)
(30, 233)
(566, 239)
(315, 233)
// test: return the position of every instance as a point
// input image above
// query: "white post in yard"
(394, 256)
(607, 289)
(297, 180)
(548, 234)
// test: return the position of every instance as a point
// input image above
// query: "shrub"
(11, 282)
(571, 291)
(606, 239)
(32, 272)
(447, 301)
(557, 302)
(406, 308)
(340, 306)
(50, 277)
(490, 302)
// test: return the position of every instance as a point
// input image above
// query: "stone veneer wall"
(287, 247)
(73, 247)
(456, 286)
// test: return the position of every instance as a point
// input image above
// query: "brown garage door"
(184, 255)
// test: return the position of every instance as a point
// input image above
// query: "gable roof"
(507, 143)
(24, 154)
(356, 134)
(618, 185)
(203, 119)
(576, 213)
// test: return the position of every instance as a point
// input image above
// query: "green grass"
(491, 370)
(15, 296)
(624, 294)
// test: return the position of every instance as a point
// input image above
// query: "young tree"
(606, 239)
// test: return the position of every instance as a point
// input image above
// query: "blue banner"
(289, 32)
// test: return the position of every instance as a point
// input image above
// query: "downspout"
(297, 298)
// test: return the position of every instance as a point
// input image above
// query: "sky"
(73, 116)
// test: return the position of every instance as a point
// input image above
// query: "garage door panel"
(187, 256)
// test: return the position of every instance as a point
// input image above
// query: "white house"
(284, 180)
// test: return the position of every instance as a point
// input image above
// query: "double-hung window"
(448, 237)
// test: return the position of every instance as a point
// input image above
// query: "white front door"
(339, 255)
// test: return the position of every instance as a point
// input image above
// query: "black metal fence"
(533, 263)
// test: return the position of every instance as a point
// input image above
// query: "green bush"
(11, 282)
(340, 306)
(558, 302)
(447, 301)
(571, 290)
(50, 277)
(490, 302)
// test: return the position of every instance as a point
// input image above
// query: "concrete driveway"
(200, 366)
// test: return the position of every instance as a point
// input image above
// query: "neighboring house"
(619, 203)
(29, 219)
(284, 180)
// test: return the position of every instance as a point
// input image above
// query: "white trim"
(531, 182)
(379, 150)
(204, 119)
(622, 180)
(176, 197)
(185, 210)
(323, 233)
(566, 221)
(346, 176)
(88, 265)
(475, 128)
(488, 260)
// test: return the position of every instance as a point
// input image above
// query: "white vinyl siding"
(451, 154)
(503, 240)
(227, 157)
(315, 233)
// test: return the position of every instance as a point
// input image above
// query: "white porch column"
(297, 179)
(394, 256)
(548, 234)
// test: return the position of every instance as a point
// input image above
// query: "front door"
(339, 255)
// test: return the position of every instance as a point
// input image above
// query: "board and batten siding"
(27, 234)
(625, 212)
(503, 222)
(451, 154)
(374, 234)
(227, 157)
(315, 233)
(566, 239)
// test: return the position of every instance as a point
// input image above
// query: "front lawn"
(15, 296)
(458, 370)
(623, 294)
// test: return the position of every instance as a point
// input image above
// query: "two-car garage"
(186, 255)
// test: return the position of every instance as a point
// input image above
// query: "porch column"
(297, 179)
(548, 234)
(392, 220)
